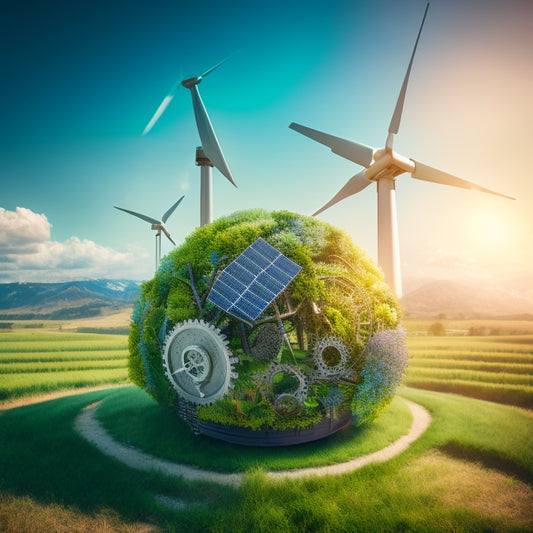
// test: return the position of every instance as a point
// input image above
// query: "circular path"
(89, 427)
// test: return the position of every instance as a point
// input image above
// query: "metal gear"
(287, 404)
(198, 362)
(267, 343)
(324, 368)
(356, 301)
(295, 398)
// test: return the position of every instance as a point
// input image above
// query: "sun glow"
(490, 229)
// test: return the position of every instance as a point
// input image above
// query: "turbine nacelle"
(388, 164)
(161, 228)
(189, 83)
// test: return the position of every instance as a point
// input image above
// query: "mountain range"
(80, 299)
(461, 300)
(67, 300)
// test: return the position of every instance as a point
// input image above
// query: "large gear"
(325, 368)
(355, 300)
(198, 362)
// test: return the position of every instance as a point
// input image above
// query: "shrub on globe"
(340, 318)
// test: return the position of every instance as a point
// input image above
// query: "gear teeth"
(267, 377)
(224, 352)
(324, 370)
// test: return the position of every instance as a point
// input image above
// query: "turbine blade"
(207, 135)
(171, 210)
(397, 115)
(158, 113)
(353, 186)
(208, 71)
(358, 153)
(138, 215)
(426, 173)
(165, 231)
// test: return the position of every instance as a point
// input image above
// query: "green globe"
(326, 352)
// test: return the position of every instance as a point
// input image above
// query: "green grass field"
(494, 368)
(37, 362)
(471, 471)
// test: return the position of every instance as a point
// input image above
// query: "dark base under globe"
(270, 437)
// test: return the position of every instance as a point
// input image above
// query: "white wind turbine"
(209, 154)
(382, 167)
(158, 226)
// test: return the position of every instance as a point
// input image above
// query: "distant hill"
(67, 300)
(83, 299)
(459, 300)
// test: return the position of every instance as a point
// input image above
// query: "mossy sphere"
(328, 344)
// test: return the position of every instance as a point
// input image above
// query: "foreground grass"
(471, 471)
(37, 362)
(133, 418)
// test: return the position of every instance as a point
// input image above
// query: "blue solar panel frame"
(249, 284)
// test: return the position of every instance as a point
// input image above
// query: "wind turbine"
(382, 167)
(209, 154)
(158, 226)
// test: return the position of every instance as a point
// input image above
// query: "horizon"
(84, 80)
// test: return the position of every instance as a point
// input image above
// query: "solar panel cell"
(278, 274)
(266, 250)
(286, 265)
(262, 292)
(219, 300)
(258, 258)
(239, 272)
(232, 282)
(265, 279)
(249, 265)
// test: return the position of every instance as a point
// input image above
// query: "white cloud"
(22, 231)
(28, 254)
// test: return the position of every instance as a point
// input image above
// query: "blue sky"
(81, 80)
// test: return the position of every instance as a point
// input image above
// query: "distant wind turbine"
(209, 154)
(383, 166)
(157, 225)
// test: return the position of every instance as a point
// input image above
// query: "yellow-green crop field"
(494, 368)
(36, 362)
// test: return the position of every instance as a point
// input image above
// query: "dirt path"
(89, 427)
(30, 400)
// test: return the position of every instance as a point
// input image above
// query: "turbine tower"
(382, 167)
(158, 226)
(209, 154)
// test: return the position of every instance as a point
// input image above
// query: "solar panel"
(247, 286)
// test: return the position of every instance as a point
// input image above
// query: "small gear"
(286, 403)
(198, 362)
(267, 343)
(328, 368)
(267, 377)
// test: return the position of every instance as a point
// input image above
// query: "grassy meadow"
(472, 470)
(34, 362)
(496, 368)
